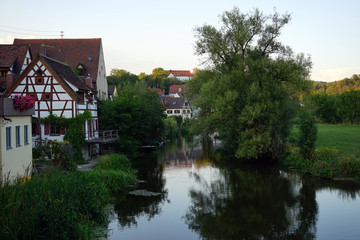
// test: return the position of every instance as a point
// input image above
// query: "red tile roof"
(158, 91)
(179, 89)
(13, 56)
(181, 73)
(70, 51)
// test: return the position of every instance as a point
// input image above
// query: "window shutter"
(62, 131)
(47, 128)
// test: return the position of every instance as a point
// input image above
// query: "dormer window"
(81, 69)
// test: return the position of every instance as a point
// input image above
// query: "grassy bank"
(337, 153)
(62, 205)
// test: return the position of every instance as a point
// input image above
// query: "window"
(17, 136)
(188, 111)
(8, 137)
(169, 111)
(46, 96)
(177, 111)
(54, 128)
(184, 111)
(39, 77)
(26, 134)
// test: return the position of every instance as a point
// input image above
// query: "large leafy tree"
(138, 116)
(250, 92)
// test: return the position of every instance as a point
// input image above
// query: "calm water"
(202, 201)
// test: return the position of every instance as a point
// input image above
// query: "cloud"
(334, 74)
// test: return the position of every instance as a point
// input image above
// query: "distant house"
(112, 91)
(13, 60)
(57, 90)
(84, 56)
(158, 91)
(176, 106)
(177, 90)
(182, 75)
(15, 141)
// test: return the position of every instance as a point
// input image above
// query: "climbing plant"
(74, 130)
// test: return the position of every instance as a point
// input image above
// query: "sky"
(140, 35)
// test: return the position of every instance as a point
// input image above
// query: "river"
(202, 201)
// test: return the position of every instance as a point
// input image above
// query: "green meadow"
(345, 138)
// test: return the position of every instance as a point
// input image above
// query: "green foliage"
(348, 104)
(138, 116)
(114, 171)
(36, 153)
(338, 87)
(74, 131)
(115, 162)
(63, 155)
(249, 97)
(120, 77)
(324, 107)
(52, 206)
(171, 128)
(75, 134)
(114, 181)
(307, 133)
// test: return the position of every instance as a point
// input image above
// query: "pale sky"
(140, 35)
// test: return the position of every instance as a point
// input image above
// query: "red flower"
(23, 102)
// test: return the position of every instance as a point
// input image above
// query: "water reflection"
(204, 201)
(253, 204)
(151, 173)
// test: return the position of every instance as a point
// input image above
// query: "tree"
(159, 72)
(325, 107)
(250, 93)
(121, 77)
(349, 105)
(138, 116)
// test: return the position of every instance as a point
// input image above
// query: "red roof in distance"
(181, 73)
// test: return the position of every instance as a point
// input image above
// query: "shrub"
(307, 134)
(113, 162)
(36, 153)
(63, 155)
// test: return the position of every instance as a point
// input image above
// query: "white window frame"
(8, 137)
(26, 134)
(18, 136)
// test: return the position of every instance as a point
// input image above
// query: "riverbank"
(63, 204)
(337, 154)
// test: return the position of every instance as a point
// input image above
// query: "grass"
(62, 204)
(345, 138)
(337, 152)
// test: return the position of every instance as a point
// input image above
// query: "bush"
(52, 206)
(114, 170)
(36, 153)
(63, 155)
(114, 162)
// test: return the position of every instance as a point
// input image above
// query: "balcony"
(106, 136)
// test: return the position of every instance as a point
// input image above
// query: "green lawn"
(345, 138)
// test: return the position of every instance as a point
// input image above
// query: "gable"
(70, 51)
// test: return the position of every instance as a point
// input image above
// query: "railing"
(102, 136)
(108, 135)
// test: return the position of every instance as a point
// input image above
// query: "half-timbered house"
(85, 56)
(57, 90)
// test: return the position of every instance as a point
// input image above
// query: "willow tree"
(250, 91)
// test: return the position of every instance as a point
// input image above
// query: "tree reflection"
(129, 210)
(253, 204)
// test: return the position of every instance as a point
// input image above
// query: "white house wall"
(101, 82)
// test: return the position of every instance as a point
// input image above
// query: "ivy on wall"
(74, 130)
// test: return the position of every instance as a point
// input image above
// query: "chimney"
(88, 81)
(9, 79)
